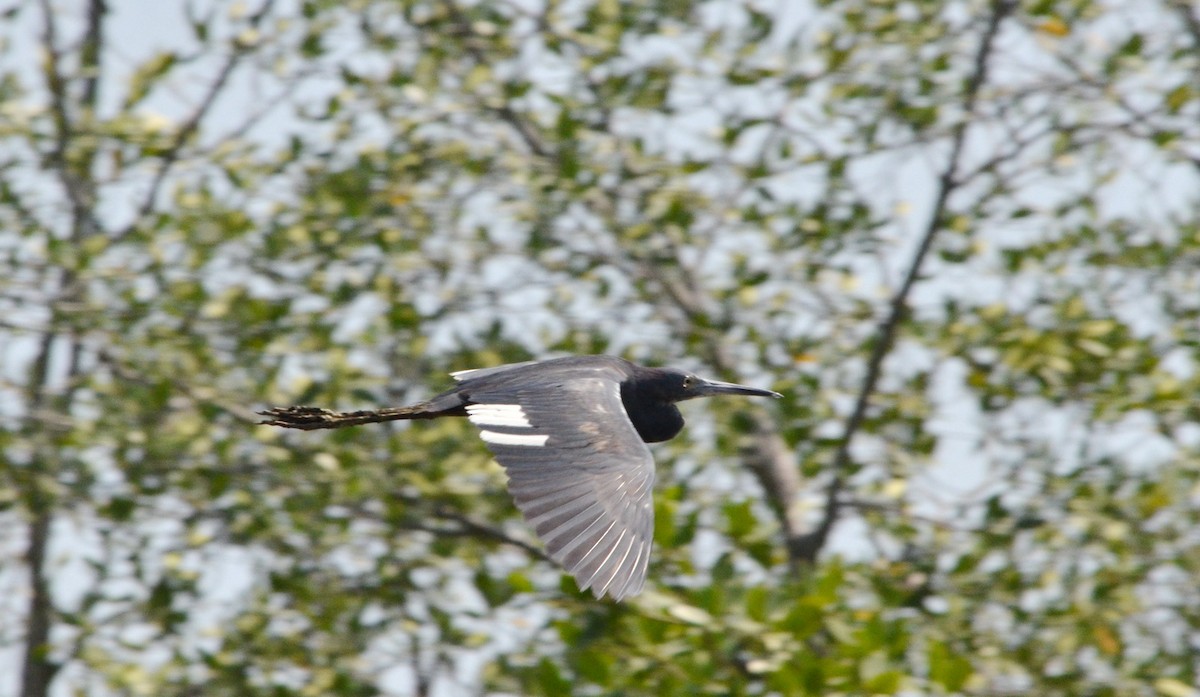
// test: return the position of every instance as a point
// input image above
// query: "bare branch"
(774, 465)
(184, 134)
(37, 671)
(128, 374)
(78, 188)
(475, 527)
(1191, 20)
(504, 111)
(89, 52)
(806, 547)
(464, 525)
(191, 126)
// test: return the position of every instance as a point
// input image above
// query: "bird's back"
(554, 370)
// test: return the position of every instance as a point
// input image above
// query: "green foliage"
(338, 203)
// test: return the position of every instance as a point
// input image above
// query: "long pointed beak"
(707, 388)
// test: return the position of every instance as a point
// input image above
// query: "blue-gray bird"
(571, 433)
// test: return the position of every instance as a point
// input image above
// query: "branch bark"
(37, 670)
(74, 172)
(805, 548)
(505, 111)
(191, 127)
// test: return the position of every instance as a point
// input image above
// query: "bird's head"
(673, 385)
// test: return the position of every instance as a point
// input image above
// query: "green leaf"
(147, 75)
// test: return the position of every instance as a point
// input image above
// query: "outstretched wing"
(579, 473)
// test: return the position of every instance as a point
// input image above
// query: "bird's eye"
(687, 381)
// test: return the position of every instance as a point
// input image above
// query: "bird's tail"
(313, 418)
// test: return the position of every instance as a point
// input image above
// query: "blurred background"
(962, 238)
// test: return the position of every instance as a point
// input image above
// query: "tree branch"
(806, 547)
(37, 671)
(78, 188)
(504, 110)
(192, 126)
(472, 527)
(1187, 13)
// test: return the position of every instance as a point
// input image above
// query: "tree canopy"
(963, 239)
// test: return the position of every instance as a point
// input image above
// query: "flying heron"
(571, 433)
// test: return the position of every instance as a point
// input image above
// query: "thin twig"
(76, 187)
(185, 133)
(505, 111)
(473, 526)
(192, 126)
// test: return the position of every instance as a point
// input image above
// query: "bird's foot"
(305, 418)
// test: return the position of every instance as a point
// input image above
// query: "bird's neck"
(654, 420)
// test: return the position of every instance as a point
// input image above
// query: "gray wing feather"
(587, 490)
(475, 373)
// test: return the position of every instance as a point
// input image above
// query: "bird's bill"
(715, 387)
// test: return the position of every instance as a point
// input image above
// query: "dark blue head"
(650, 397)
(671, 385)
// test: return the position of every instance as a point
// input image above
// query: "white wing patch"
(512, 439)
(498, 415)
(460, 375)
